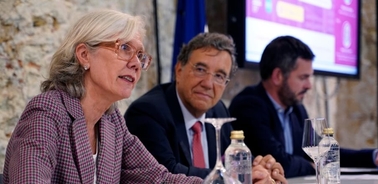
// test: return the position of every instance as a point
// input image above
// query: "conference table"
(348, 176)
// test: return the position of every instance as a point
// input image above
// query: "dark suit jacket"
(156, 119)
(256, 115)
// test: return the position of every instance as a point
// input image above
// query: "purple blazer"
(50, 144)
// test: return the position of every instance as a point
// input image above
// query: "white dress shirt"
(189, 122)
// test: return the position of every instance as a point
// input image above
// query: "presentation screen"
(329, 27)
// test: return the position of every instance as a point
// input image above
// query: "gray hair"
(217, 41)
(66, 73)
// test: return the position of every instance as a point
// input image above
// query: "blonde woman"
(73, 132)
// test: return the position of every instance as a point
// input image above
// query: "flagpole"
(158, 65)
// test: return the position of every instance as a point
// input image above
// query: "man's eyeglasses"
(201, 71)
(126, 51)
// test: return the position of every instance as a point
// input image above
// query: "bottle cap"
(328, 131)
(237, 134)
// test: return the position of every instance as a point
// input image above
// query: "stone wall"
(31, 30)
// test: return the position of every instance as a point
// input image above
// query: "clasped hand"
(265, 170)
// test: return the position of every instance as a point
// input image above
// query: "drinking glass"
(312, 134)
(219, 175)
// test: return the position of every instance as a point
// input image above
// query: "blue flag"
(190, 20)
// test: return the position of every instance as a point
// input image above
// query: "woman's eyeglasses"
(126, 52)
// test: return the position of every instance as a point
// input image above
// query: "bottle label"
(240, 163)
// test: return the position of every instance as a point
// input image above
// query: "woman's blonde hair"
(66, 73)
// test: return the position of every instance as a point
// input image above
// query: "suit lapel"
(178, 119)
(81, 151)
(107, 149)
(279, 130)
(211, 140)
(276, 123)
(211, 144)
(297, 133)
(183, 140)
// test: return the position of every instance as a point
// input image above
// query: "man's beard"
(287, 96)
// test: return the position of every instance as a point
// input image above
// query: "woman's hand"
(274, 168)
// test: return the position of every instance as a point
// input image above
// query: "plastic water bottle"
(329, 164)
(238, 158)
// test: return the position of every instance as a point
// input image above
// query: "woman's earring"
(86, 67)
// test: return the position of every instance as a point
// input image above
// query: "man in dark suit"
(163, 118)
(271, 113)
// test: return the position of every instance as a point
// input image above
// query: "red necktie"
(198, 158)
